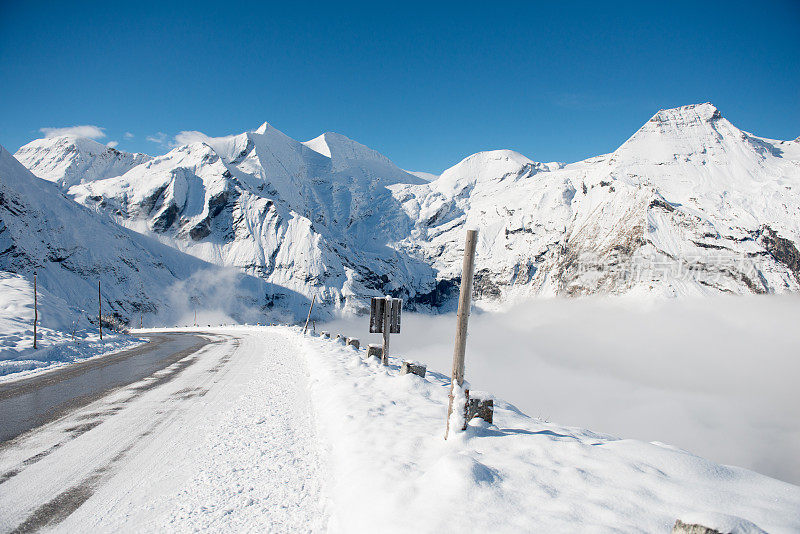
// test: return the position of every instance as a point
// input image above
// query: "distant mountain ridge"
(689, 205)
(69, 160)
(72, 248)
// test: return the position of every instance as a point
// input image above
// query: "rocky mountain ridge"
(689, 205)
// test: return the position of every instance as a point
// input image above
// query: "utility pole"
(35, 310)
(467, 272)
(314, 299)
(99, 310)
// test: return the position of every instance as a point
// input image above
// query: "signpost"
(384, 318)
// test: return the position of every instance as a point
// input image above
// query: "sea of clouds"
(718, 377)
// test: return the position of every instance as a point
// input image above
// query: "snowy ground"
(57, 321)
(221, 440)
(265, 430)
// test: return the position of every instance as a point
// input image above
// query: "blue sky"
(426, 84)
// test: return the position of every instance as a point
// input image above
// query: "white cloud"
(87, 130)
(128, 135)
(187, 137)
(112, 144)
(159, 138)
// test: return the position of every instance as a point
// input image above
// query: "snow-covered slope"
(688, 205)
(69, 159)
(64, 335)
(317, 220)
(72, 248)
(519, 474)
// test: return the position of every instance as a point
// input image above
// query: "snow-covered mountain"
(71, 248)
(316, 218)
(688, 205)
(70, 160)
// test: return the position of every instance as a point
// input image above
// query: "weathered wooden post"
(414, 368)
(387, 319)
(374, 350)
(462, 318)
(35, 310)
(477, 407)
(353, 342)
(99, 310)
(305, 328)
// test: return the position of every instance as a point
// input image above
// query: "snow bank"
(57, 322)
(713, 376)
(393, 471)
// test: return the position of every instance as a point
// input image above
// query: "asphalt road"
(29, 403)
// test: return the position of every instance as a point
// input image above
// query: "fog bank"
(717, 377)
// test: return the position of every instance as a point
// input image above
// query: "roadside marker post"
(99, 310)
(313, 300)
(35, 310)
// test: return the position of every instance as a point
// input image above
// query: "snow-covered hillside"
(70, 160)
(688, 205)
(316, 218)
(72, 248)
(58, 323)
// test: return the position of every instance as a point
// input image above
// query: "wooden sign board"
(394, 321)
(376, 315)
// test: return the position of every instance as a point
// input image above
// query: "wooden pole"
(35, 310)
(99, 310)
(462, 318)
(387, 323)
(309, 314)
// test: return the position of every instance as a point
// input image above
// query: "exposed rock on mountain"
(72, 248)
(680, 208)
(688, 205)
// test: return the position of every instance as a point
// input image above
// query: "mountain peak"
(706, 112)
(71, 159)
(680, 131)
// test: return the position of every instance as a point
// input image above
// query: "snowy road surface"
(222, 439)
(265, 430)
(28, 403)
